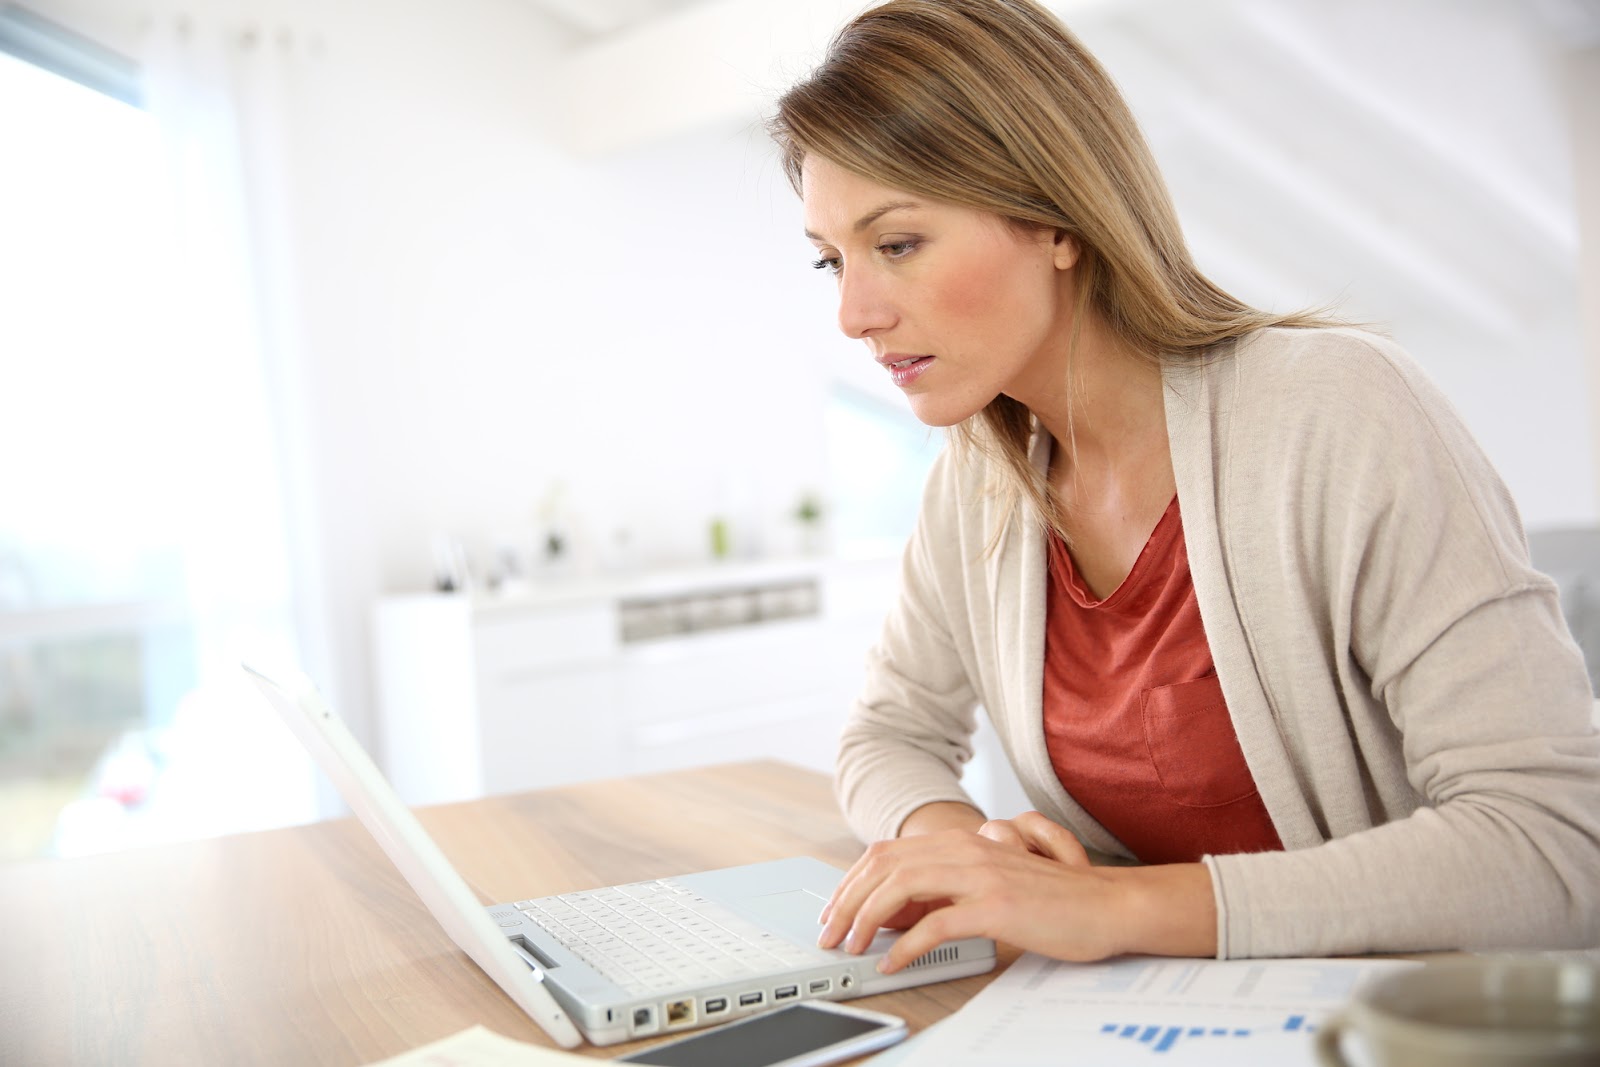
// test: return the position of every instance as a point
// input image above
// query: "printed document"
(478, 1046)
(1148, 1010)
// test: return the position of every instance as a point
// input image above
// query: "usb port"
(747, 999)
(784, 992)
(819, 985)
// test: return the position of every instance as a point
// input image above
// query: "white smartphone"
(802, 1035)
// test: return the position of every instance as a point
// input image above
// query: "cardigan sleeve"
(1443, 641)
(910, 731)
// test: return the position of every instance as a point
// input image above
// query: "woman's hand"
(1034, 833)
(1025, 881)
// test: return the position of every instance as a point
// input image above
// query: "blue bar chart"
(1163, 1037)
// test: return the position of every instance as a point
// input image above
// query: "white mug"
(1491, 1012)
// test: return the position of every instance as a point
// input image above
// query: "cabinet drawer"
(802, 729)
(551, 729)
(689, 676)
(526, 642)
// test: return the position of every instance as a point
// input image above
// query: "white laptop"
(632, 960)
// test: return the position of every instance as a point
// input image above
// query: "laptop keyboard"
(651, 936)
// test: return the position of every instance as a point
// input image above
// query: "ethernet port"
(680, 1012)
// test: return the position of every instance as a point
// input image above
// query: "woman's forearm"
(1166, 910)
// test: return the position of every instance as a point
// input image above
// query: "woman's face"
(957, 305)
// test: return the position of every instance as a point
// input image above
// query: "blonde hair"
(995, 105)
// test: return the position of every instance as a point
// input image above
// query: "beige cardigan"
(1403, 686)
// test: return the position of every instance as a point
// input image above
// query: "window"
(878, 460)
(107, 442)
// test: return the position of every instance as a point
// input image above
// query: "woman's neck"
(1101, 402)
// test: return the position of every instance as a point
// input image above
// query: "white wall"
(485, 313)
(1582, 83)
(487, 316)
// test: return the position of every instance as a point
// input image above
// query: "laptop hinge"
(532, 956)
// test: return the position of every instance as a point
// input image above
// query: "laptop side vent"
(942, 954)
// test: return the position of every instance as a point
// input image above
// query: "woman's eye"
(897, 249)
(830, 264)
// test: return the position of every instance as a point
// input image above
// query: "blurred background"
(467, 358)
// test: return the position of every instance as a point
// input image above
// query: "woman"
(1248, 607)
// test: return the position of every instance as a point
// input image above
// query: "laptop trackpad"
(792, 913)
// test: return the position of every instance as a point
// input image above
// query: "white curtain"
(219, 87)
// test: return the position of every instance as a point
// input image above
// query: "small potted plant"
(808, 513)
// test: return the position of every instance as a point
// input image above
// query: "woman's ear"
(1067, 250)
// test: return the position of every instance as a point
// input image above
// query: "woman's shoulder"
(1333, 355)
(1352, 408)
(1343, 375)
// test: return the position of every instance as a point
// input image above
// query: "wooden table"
(304, 945)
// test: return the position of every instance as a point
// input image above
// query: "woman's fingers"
(947, 924)
(912, 913)
(881, 860)
(1002, 831)
(912, 887)
(1036, 833)
(900, 884)
(1049, 839)
(839, 917)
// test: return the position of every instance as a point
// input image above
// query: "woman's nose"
(863, 307)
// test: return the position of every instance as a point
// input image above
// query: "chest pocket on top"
(1193, 746)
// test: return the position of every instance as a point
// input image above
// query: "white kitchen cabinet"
(593, 679)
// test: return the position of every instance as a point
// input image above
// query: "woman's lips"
(907, 370)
